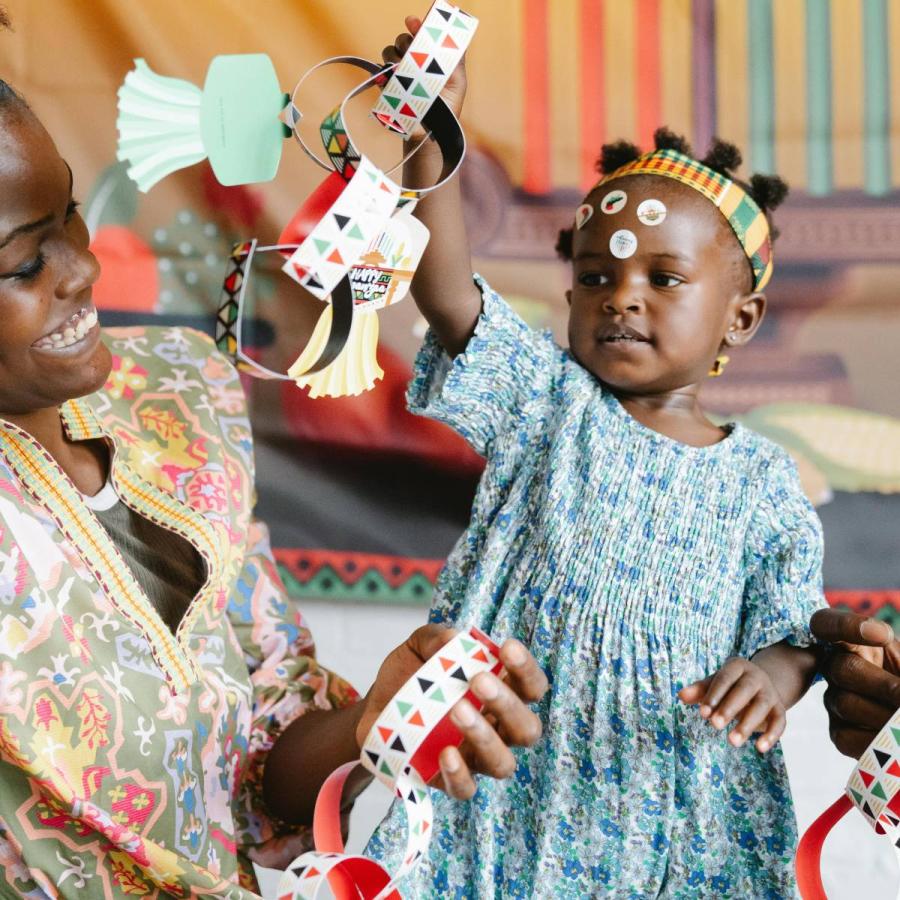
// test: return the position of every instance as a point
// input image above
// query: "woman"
(163, 719)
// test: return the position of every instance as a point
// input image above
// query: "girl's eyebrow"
(679, 257)
(30, 227)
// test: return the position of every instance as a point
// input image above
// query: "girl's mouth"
(71, 332)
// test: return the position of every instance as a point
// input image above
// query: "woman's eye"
(592, 279)
(660, 279)
(31, 270)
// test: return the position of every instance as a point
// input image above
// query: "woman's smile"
(76, 334)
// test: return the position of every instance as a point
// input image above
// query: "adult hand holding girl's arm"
(442, 287)
(755, 692)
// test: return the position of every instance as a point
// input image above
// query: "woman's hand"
(454, 92)
(862, 668)
(505, 720)
(743, 690)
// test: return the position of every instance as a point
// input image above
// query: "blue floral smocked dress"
(631, 565)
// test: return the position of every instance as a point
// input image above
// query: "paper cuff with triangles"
(435, 52)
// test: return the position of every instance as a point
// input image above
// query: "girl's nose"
(624, 299)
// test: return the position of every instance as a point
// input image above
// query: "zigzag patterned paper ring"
(229, 318)
(435, 52)
(343, 155)
(874, 789)
(401, 750)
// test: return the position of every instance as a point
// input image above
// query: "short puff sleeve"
(500, 382)
(783, 564)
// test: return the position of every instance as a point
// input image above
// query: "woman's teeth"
(75, 329)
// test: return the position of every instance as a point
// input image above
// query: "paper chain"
(431, 59)
(402, 751)
(874, 789)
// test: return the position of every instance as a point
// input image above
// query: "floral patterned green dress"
(131, 757)
(630, 565)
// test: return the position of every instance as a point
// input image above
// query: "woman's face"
(50, 348)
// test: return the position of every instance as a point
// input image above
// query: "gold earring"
(719, 366)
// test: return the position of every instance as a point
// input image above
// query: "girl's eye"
(661, 279)
(31, 270)
(592, 279)
(71, 209)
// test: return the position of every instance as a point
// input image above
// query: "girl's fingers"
(523, 673)
(754, 714)
(694, 693)
(720, 684)
(733, 702)
(402, 42)
(458, 781)
(774, 730)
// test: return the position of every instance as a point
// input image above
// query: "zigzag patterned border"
(351, 577)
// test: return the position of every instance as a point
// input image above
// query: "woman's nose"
(80, 273)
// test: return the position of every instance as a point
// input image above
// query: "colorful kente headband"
(744, 216)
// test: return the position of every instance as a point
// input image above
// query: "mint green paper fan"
(166, 124)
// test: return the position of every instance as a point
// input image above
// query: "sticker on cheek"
(652, 212)
(614, 202)
(623, 244)
(582, 214)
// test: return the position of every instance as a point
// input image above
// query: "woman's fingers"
(413, 23)
(835, 626)
(515, 722)
(523, 673)
(488, 753)
(458, 780)
(390, 55)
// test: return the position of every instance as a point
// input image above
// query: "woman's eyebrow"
(30, 227)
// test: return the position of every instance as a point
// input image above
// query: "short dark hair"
(768, 191)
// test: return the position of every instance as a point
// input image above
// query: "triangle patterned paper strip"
(445, 30)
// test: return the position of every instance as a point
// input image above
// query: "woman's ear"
(748, 315)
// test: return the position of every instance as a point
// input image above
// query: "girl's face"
(654, 320)
(50, 348)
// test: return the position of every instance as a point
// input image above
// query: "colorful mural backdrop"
(364, 499)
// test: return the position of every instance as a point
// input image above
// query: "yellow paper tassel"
(355, 370)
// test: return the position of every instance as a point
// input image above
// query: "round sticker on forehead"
(652, 212)
(613, 202)
(623, 244)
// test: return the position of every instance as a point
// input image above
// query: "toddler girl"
(633, 544)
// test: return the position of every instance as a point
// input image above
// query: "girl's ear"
(747, 318)
(569, 297)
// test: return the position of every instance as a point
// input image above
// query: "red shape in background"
(129, 279)
(377, 422)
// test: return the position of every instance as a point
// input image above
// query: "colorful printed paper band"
(746, 219)
(342, 153)
(230, 317)
(436, 50)
(340, 238)
(166, 124)
(874, 789)
(401, 750)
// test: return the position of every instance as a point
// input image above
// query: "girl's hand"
(504, 722)
(742, 690)
(454, 92)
